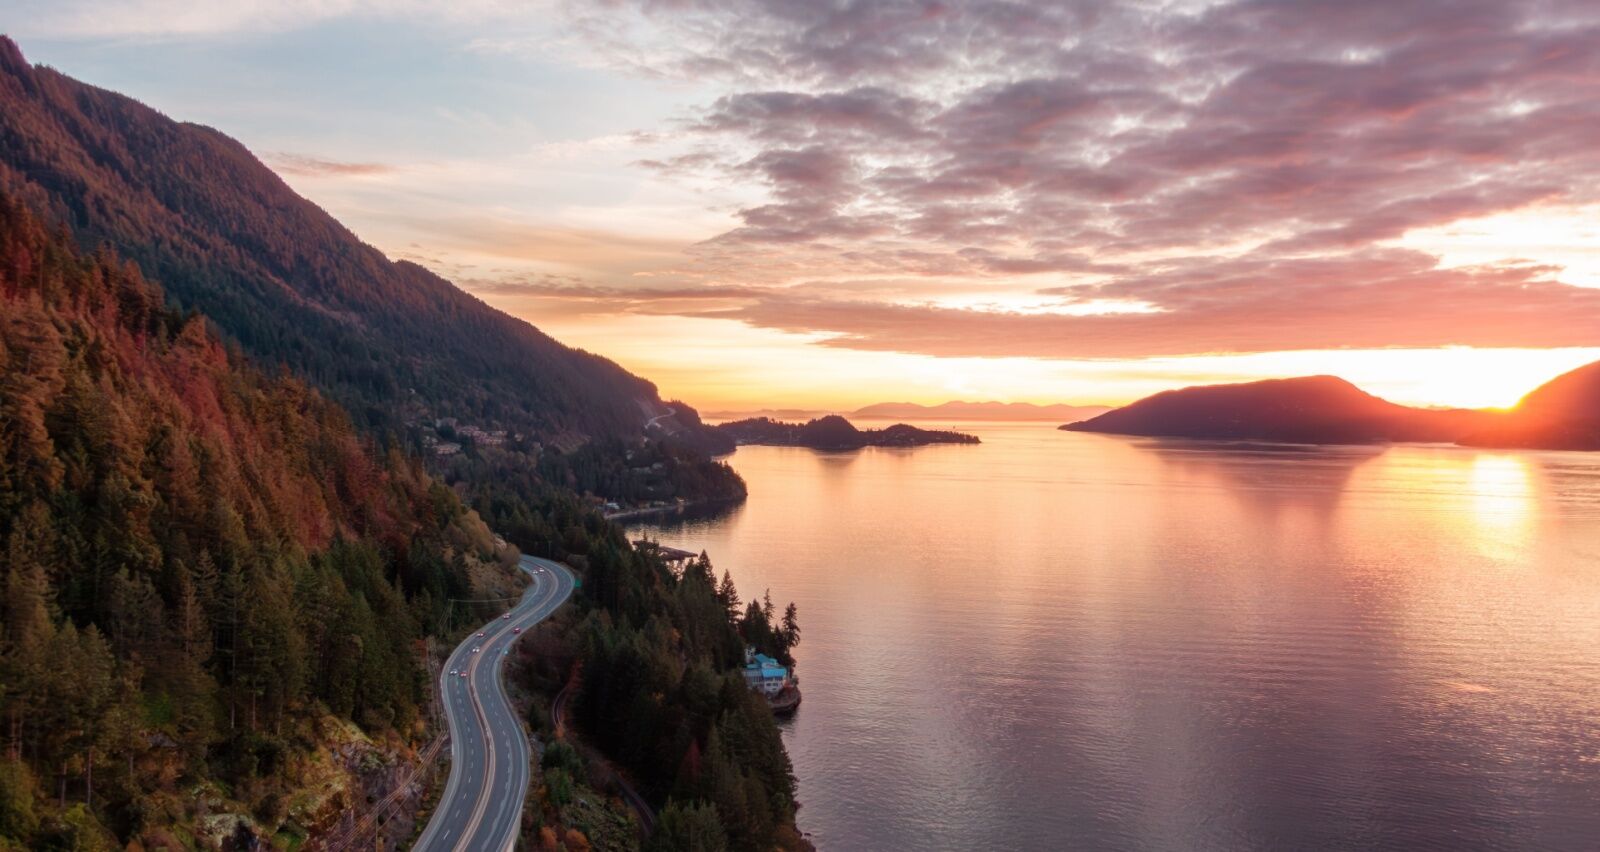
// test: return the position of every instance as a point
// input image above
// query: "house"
(447, 448)
(763, 673)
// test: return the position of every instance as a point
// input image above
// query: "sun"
(1475, 378)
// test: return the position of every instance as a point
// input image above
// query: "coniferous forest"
(224, 554)
(198, 556)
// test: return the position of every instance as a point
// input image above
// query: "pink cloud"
(1097, 141)
(300, 164)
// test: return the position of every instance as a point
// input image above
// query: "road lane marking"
(534, 610)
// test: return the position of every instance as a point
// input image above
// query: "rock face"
(835, 433)
(1310, 410)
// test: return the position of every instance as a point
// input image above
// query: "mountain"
(208, 574)
(394, 343)
(217, 583)
(1310, 410)
(1561, 414)
(835, 433)
(959, 410)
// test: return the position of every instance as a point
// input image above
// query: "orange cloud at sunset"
(1052, 202)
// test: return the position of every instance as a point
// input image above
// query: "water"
(1055, 640)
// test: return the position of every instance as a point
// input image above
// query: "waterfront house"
(763, 673)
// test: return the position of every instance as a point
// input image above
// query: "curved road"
(481, 809)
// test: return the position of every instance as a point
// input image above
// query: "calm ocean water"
(1061, 641)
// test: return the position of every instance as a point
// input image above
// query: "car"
(480, 634)
(452, 671)
(516, 630)
(463, 672)
(476, 650)
(502, 618)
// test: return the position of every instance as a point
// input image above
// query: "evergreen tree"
(688, 828)
(790, 632)
(728, 596)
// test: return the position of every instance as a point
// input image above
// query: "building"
(763, 673)
(447, 448)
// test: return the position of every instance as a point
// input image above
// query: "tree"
(691, 827)
(790, 631)
(728, 596)
(18, 819)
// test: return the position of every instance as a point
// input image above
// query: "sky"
(793, 203)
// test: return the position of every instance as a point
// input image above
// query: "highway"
(481, 808)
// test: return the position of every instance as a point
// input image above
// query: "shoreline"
(675, 508)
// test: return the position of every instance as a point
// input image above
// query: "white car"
(505, 617)
(452, 672)
(480, 634)
(476, 650)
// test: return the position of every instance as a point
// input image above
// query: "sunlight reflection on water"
(1059, 640)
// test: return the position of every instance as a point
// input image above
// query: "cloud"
(1234, 164)
(299, 164)
(1243, 168)
(165, 19)
(1385, 299)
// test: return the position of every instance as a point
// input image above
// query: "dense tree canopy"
(191, 548)
(217, 551)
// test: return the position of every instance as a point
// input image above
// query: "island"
(1302, 410)
(835, 433)
(1561, 414)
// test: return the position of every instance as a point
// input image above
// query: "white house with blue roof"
(763, 673)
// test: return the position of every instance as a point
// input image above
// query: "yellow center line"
(482, 804)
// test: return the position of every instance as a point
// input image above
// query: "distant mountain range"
(960, 410)
(835, 433)
(956, 410)
(769, 413)
(1561, 414)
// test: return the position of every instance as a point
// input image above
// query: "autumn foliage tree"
(190, 547)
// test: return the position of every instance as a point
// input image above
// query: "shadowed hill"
(1561, 414)
(1310, 410)
(227, 237)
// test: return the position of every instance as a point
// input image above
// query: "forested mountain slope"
(199, 562)
(235, 569)
(225, 236)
